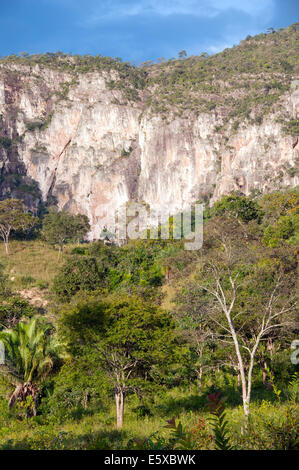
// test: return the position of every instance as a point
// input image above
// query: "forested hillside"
(110, 347)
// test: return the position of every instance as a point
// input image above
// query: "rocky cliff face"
(72, 141)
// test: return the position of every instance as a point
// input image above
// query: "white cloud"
(207, 8)
(252, 7)
(202, 8)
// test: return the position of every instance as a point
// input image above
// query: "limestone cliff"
(78, 142)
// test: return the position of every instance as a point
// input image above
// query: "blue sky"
(136, 30)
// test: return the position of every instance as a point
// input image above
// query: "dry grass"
(31, 263)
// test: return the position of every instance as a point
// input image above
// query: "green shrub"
(42, 285)
(292, 127)
(26, 281)
(5, 142)
(78, 273)
(79, 388)
(32, 126)
(240, 207)
(219, 422)
(13, 309)
(284, 229)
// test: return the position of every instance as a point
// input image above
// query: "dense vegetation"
(147, 345)
(243, 82)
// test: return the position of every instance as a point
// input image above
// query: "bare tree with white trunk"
(273, 313)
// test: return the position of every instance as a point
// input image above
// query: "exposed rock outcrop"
(92, 154)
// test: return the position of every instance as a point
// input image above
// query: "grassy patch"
(31, 262)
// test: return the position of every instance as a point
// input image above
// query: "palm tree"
(30, 352)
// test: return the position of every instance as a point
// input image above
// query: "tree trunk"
(5, 236)
(264, 366)
(238, 378)
(21, 393)
(246, 411)
(120, 405)
(60, 251)
(200, 371)
(200, 379)
(85, 399)
(241, 367)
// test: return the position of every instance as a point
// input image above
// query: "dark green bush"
(78, 389)
(292, 127)
(13, 309)
(5, 142)
(78, 273)
(240, 207)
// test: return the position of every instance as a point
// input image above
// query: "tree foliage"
(133, 340)
(239, 207)
(78, 273)
(13, 217)
(13, 308)
(60, 227)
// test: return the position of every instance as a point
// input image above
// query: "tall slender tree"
(247, 304)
